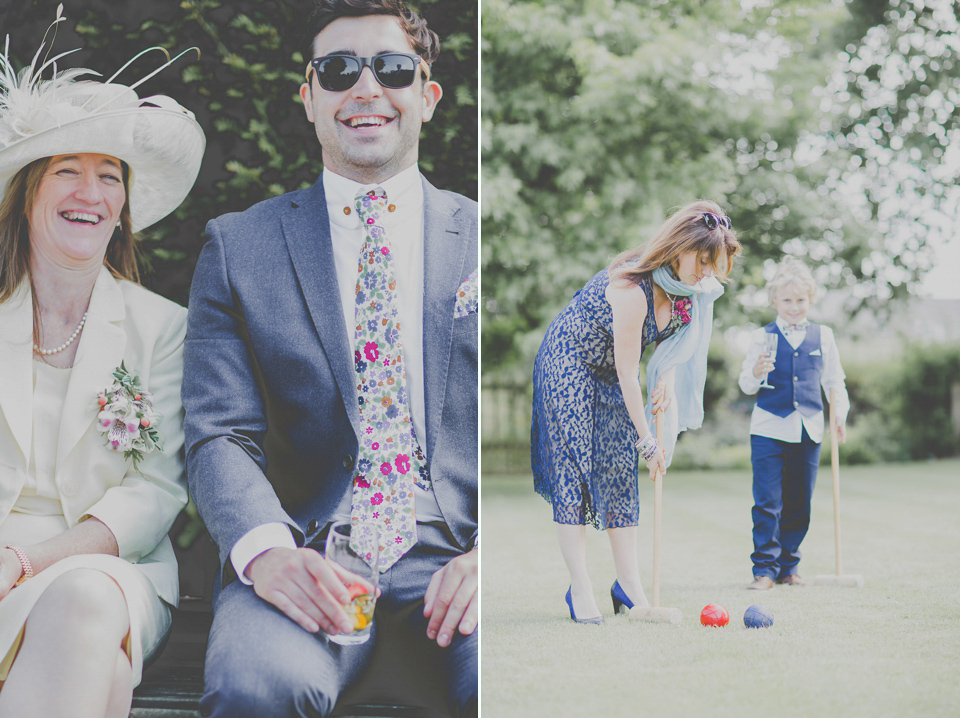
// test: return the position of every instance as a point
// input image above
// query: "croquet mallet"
(654, 613)
(838, 579)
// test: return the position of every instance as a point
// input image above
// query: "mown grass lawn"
(889, 648)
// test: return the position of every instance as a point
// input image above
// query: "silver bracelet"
(647, 447)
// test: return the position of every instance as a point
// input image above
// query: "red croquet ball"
(713, 614)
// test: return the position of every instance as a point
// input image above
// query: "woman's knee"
(84, 600)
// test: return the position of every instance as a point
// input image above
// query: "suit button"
(347, 461)
(796, 378)
(69, 488)
(313, 526)
(796, 354)
(796, 403)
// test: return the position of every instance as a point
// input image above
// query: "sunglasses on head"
(715, 220)
(393, 70)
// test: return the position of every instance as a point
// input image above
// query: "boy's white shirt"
(790, 428)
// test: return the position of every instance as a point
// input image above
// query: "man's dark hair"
(424, 40)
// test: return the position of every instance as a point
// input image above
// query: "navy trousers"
(260, 664)
(784, 475)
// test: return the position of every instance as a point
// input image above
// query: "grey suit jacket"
(272, 419)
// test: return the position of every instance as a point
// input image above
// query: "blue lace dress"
(582, 439)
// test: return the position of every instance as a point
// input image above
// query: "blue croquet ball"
(758, 616)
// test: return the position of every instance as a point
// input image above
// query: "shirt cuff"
(255, 542)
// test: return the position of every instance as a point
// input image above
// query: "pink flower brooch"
(681, 312)
(127, 418)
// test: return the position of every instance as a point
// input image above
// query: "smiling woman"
(76, 209)
(87, 575)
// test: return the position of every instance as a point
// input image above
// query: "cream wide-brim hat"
(160, 140)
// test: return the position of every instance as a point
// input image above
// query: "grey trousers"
(260, 664)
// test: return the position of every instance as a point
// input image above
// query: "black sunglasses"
(715, 220)
(394, 70)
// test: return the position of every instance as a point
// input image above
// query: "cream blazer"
(128, 323)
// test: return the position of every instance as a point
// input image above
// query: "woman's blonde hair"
(15, 211)
(685, 230)
(792, 271)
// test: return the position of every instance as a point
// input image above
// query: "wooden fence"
(505, 427)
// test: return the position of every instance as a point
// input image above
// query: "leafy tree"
(243, 89)
(601, 115)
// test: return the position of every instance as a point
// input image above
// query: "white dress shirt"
(404, 226)
(790, 428)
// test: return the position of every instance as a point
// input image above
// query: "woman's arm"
(90, 536)
(629, 305)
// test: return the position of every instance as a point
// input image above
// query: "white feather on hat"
(159, 140)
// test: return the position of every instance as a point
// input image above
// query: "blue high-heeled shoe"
(597, 619)
(620, 599)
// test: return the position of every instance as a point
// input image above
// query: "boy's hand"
(763, 366)
(662, 398)
(842, 433)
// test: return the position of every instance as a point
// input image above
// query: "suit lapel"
(100, 351)
(445, 249)
(306, 230)
(16, 353)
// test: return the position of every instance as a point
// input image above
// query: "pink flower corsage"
(680, 317)
(127, 418)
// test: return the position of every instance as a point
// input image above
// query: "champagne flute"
(770, 340)
(363, 589)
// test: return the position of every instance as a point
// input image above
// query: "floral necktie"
(390, 460)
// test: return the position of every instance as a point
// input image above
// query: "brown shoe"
(761, 583)
(792, 579)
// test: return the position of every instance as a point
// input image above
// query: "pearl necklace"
(47, 352)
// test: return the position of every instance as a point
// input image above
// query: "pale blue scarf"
(686, 349)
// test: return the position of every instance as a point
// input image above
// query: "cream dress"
(38, 516)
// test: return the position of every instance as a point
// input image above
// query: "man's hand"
(451, 599)
(310, 590)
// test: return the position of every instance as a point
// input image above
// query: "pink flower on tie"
(370, 220)
(362, 482)
(375, 445)
(385, 468)
(371, 350)
(384, 251)
(377, 498)
(402, 463)
(398, 540)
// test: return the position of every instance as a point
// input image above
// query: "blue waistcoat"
(795, 376)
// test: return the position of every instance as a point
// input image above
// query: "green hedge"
(243, 89)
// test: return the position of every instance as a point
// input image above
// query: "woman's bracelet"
(647, 447)
(24, 564)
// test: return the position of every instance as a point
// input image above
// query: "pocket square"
(468, 296)
(815, 353)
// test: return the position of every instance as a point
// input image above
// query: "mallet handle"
(835, 467)
(657, 503)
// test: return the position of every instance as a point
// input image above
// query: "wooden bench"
(172, 685)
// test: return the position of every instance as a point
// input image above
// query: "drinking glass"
(770, 349)
(363, 590)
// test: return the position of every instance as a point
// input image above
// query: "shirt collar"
(404, 193)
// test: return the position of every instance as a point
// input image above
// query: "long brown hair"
(684, 231)
(15, 211)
